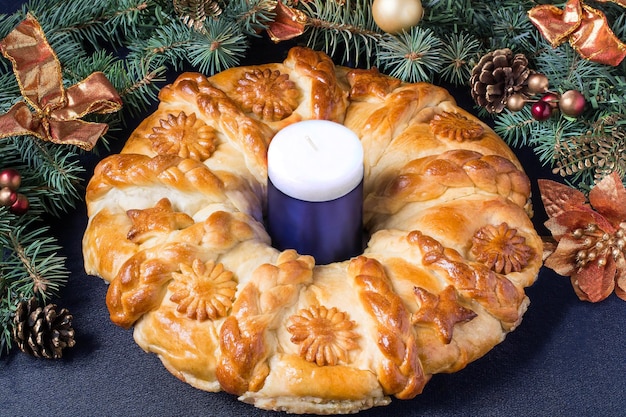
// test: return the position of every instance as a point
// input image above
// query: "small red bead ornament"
(10, 178)
(10, 181)
(20, 206)
(541, 110)
(552, 99)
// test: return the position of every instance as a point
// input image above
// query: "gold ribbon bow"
(585, 27)
(57, 111)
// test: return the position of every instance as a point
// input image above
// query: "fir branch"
(516, 128)
(53, 178)
(10, 91)
(252, 16)
(132, 17)
(411, 56)
(343, 26)
(29, 266)
(460, 53)
(167, 46)
(101, 24)
(221, 47)
(440, 15)
(33, 266)
(7, 308)
(82, 24)
(511, 28)
(137, 85)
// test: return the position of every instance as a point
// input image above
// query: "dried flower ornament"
(591, 236)
(288, 23)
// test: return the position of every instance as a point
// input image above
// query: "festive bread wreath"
(176, 227)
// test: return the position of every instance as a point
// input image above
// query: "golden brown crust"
(175, 225)
(400, 372)
(242, 365)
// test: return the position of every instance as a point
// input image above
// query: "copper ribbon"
(585, 27)
(57, 111)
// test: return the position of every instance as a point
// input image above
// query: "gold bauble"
(516, 102)
(538, 83)
(572, 103)
(394, 16)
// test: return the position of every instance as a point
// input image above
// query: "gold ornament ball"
(7, 196)
(538, 83)
(572, 103)
(516, 102)
(394, 16)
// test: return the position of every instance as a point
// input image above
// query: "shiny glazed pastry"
(176, 228)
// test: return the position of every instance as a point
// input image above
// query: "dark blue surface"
(330, 231)
(567, 358)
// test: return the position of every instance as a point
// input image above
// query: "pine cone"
(498, 75)
(195, 12)
(42, 332)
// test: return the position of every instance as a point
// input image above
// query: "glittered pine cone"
(42, 332)
(498, 75)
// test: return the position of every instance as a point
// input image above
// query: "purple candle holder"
(315, 191)
(330, 231)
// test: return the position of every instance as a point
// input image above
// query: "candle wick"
(308, 138)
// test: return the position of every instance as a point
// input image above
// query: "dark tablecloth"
(567, 358)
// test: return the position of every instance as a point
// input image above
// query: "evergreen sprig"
(413, 56)
(344, 30)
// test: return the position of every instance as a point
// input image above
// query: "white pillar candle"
(315, 160)
(315, 197)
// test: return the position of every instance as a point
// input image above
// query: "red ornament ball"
(7, 196)
(541, 110)
(11, 178)
(20, 206)
(572, 103)
(552, 99)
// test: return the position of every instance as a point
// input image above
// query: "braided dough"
(176, 227)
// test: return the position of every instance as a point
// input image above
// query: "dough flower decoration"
(501, 248)
(203, 291)
(590, 236)
(268, 94)
(57, 112)
(183, 135)
(325, 336)
(586, 29)
(454, 126)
